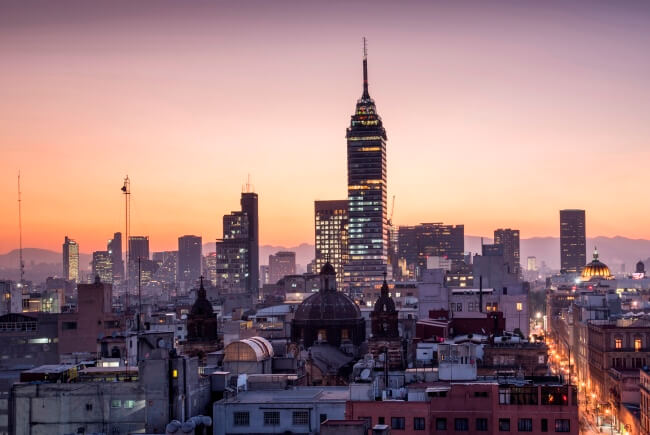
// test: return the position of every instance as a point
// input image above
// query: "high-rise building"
(138, 248)
(102, 266)
(418, 242)
(166, 267)
(189, 258)
(367, 191)
(573, 246)
(331, 235)
(509, 239)
(237, 267)
(531, 264)
(281, 264)
(70, 260)
(114, 247)
(249, 207)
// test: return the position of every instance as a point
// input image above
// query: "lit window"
(637, 344)
(520, 306)
(116, 403)
(618, 343)
(129, 403)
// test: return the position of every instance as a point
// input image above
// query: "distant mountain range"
(614, 251)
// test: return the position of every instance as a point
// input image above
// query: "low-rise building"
(296, 410)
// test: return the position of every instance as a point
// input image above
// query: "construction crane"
(392, 210)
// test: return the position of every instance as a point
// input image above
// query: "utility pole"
(20, 236)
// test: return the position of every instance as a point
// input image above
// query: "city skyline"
(448, 97)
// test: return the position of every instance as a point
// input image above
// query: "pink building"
(79, 332)
(475, 407)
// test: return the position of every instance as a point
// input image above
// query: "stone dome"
(596, 269)
(328, 316)
(328, 303)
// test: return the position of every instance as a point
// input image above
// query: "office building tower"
(237, 267)
(102, 266)
(573, 246)
(367, 191)
(166, 267)
(331, 235)
(114, 247)
(70, 260)
(281, 264)
(264, 275)
(509, 239)
(138, 248)
(531, 264)
(418, 242)
(249, 207)
(210, 267)
(189, 258)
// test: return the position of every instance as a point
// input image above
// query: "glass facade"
(331, 238)
(573, 247)
(367, 191)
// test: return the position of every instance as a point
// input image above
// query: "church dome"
(596, 269)
(329, 314)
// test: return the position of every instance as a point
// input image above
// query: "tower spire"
(366, 95)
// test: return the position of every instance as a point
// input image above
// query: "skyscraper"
(509, 239)
(102, 266)
(281, 264)
(189, 258)
(114, 247)
(418, 242)
(249, 207)
(138, 248)
(367, 191)
(573, 246)
(70, 260)
(237, 262)
(331, 235)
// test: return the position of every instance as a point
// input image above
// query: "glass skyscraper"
(573, 243)
(367, 192)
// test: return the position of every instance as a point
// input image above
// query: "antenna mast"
(126, 190)
(20, 236)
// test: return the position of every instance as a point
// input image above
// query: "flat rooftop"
(295, 395)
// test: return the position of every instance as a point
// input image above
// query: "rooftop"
(295, 395)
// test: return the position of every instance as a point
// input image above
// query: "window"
(504, 425)
(504, 396)
(555, 396)
(397, 423)
(520, 306)
(418, 423)
(481, 424)
(637, 344)
(241, 418)
(66, 326)
(562, 425)
(525, 425)
(89, 406)
(116, 403)
(129, 404)
(544, 425)
(271, 418)
(441, 423)
(541, 359)
(618, 343)
(323, 417)
(461, 425)
(300, 418)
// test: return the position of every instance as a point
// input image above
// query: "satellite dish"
(365, 374)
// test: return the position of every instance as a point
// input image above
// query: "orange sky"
(495, 118)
